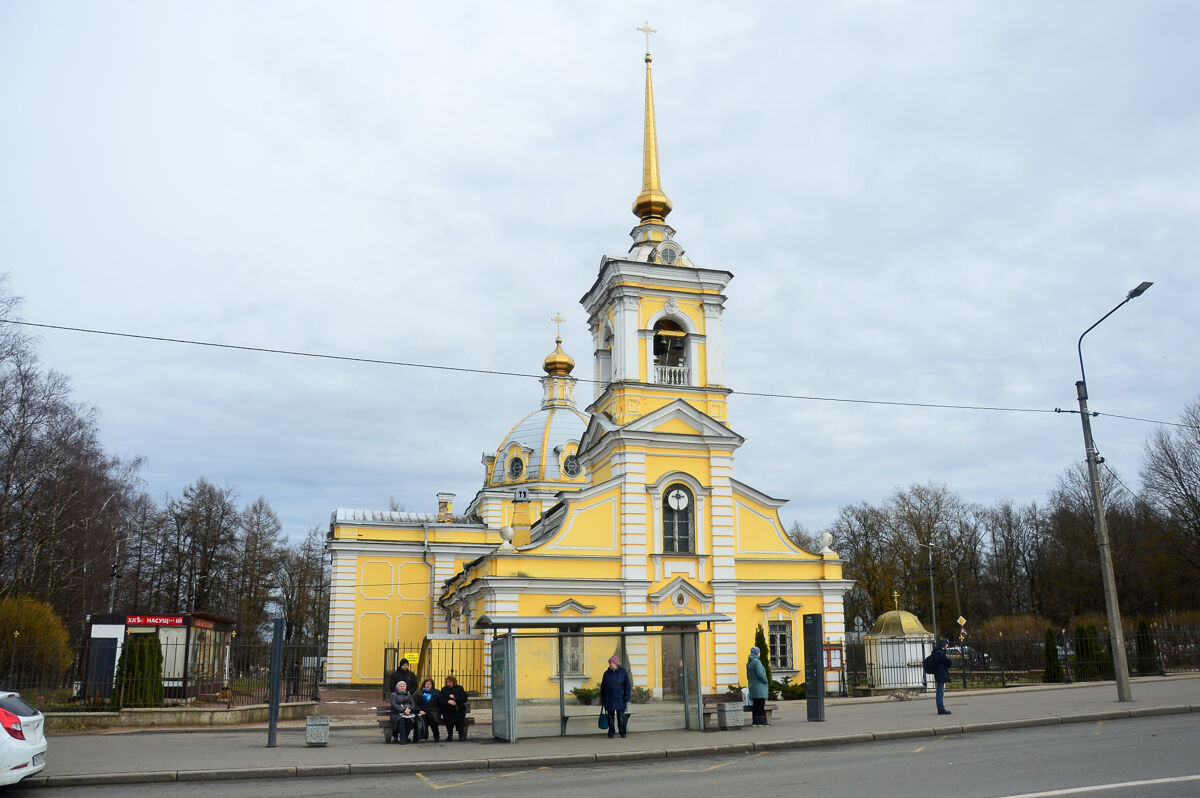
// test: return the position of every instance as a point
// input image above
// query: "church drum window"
(678, 520)
(779, 641)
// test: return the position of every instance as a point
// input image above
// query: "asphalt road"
(1150, 758)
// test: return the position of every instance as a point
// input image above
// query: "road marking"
(714, 767)
(1114, 786)
(919, 750)
(433, 786)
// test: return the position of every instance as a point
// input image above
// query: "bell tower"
(655, 315)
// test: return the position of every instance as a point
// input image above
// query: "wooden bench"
(383, 715)
(710, 701)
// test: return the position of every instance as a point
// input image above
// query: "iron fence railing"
(1007, 661)
(96, 678)
(437, 657)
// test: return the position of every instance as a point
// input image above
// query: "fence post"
(276, 667)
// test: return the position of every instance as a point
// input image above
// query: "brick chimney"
(445, 508)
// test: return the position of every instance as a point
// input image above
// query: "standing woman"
(427, 705)
(453, 703)
(756, 676)
(614, 695)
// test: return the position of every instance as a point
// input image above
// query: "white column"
(625, 338)
(712, 335)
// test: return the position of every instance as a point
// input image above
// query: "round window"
(516, 467)
(571, 466)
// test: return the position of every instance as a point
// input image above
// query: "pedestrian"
(402, 713)
(427, 704)
(615, 691)
(941, 673)
(756, 676)
(452, 702)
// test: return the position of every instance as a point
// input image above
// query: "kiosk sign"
(154, 620)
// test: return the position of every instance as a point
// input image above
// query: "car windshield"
(17, 706)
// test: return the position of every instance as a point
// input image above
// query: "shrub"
(585, 695)
(788, 691)
(139, 673)
(1147, 659)
(37, 642)
(640, 695)
(1054, 668)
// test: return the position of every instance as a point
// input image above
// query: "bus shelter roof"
(595, 621)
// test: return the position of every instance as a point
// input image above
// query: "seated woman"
(403, 712)
(427, 704)
(452, 701)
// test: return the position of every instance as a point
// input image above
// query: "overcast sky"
(920, 202)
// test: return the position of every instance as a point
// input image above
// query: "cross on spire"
(558, 320)
(646, 29)
(896, 598)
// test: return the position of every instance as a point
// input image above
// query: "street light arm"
(1079, 346)
(1133, 294)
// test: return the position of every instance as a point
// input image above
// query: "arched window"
(670, 354)
(679, 520)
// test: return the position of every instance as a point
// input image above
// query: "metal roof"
(598, 621)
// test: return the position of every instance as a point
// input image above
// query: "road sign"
(962, 621)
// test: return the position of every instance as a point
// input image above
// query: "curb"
(515, 762)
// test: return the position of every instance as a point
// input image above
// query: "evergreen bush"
(1054, 669)
(585, 695)
(764, 653)
(1147, 659)
(139, 673)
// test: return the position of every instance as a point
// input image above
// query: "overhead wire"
(502, 373)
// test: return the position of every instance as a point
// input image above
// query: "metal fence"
(1007, 661)
(437, 657)
(85, 678)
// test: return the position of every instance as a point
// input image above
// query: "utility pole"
(1116, 633)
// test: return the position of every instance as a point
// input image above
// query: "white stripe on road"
(1094, 787)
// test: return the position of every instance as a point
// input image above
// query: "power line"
(500, 373)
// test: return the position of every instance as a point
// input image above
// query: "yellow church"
(625, 510)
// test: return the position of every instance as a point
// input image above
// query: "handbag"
(422, 730)
(603, 722)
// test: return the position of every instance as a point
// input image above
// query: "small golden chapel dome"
(558, 362)
(897, 623)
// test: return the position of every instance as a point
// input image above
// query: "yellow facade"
(626, 508)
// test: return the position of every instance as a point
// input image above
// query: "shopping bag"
(603, 722)
(422, 730)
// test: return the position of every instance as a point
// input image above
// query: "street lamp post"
(932, 604)
(1115, 631)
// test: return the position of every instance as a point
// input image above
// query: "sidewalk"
(140, 756)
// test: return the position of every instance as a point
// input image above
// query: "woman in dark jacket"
(427, 704)
(403, 712)
(615, 690)
(452, 701)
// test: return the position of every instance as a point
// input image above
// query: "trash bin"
(316, 730)
(730, 716)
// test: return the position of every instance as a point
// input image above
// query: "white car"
(22, 742)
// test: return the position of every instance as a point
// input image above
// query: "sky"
(920, 202)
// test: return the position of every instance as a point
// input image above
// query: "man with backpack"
(937, 665)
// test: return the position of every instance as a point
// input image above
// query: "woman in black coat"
(453, 703)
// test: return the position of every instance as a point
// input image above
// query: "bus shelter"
(541, 665)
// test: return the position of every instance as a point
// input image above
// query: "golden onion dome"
(558, 363)
(898, 623)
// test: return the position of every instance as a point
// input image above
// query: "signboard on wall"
(154, 620)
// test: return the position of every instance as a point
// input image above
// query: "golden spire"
(652, 204)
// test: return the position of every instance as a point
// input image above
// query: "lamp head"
(1136, 292)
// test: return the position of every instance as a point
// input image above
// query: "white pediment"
(678, 585)
(704, 424)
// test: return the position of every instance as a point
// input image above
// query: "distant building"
(629, 508)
